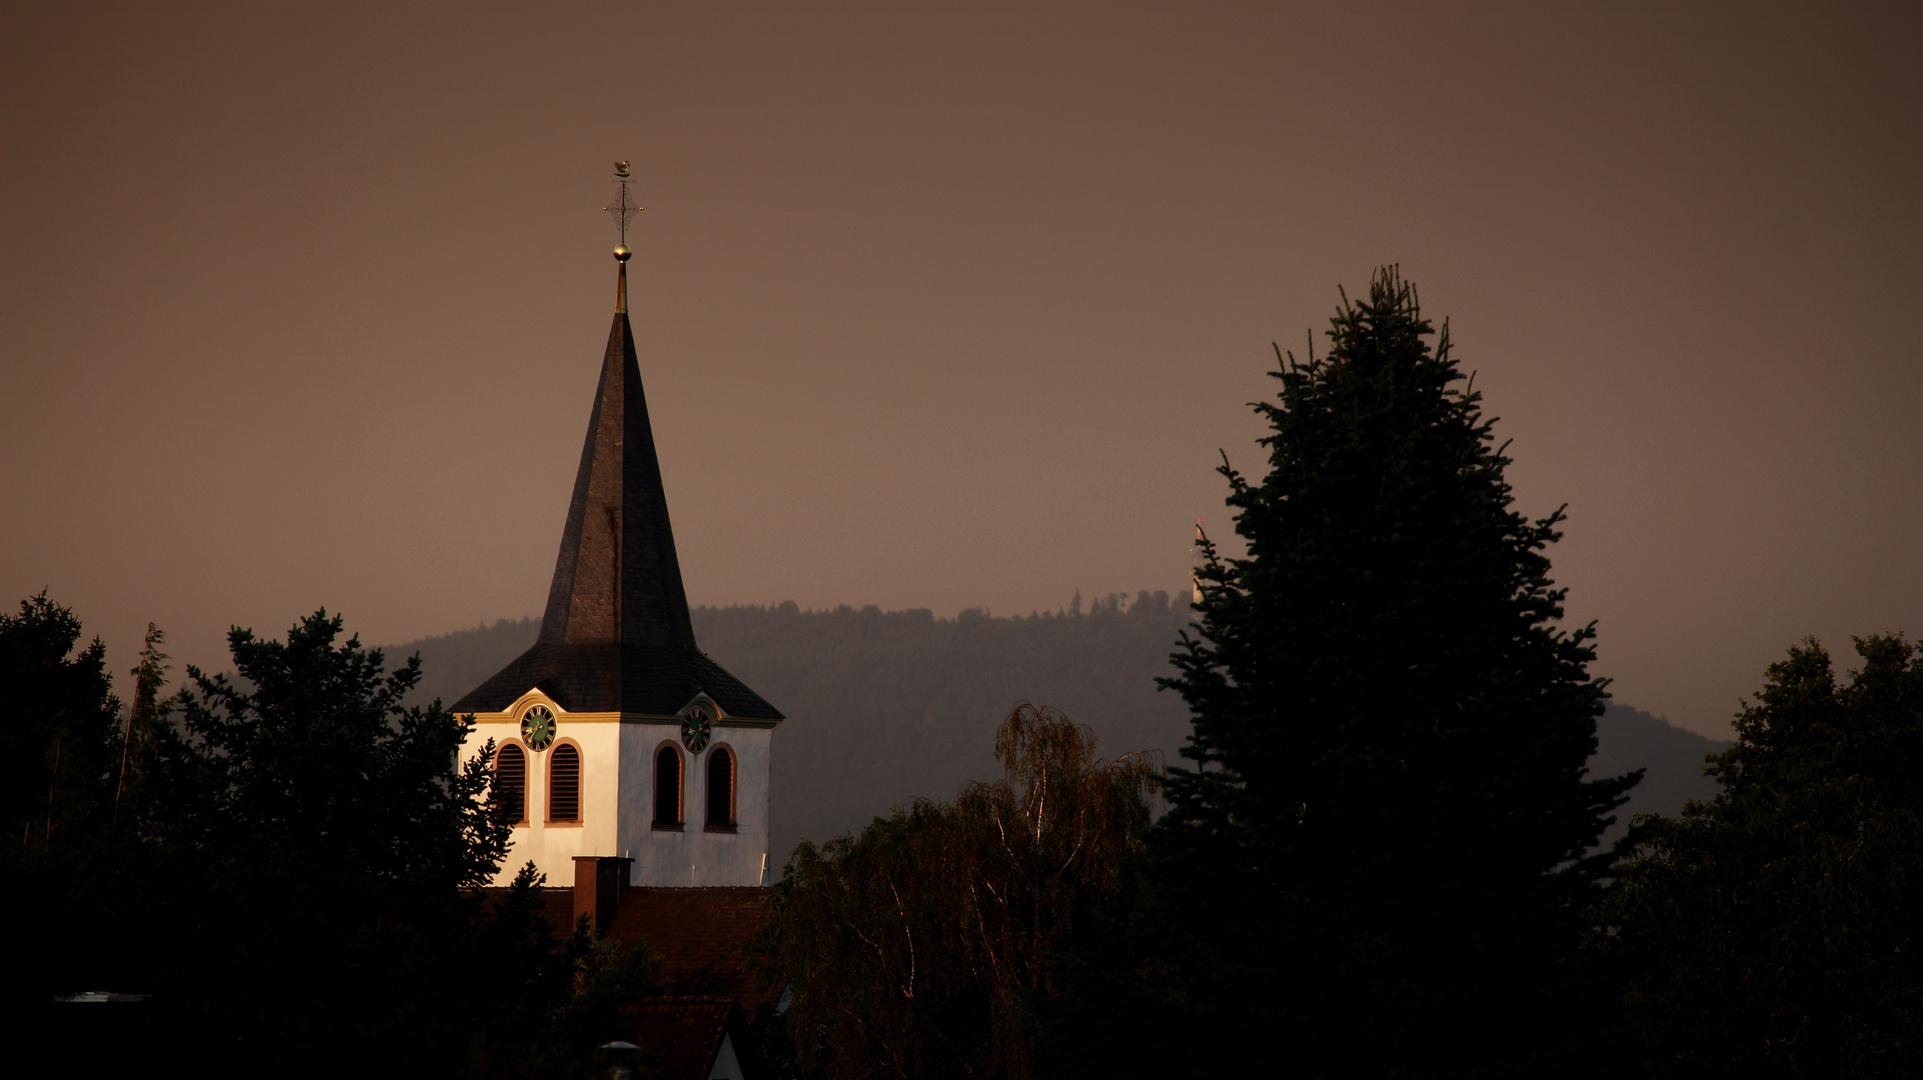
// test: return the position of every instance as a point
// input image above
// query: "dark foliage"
(1774, 930)
(319, 855)
(61, 746)
(550, 1003)
(920, 946)
(1381, 856)
(287, 862)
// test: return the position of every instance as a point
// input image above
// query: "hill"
(1629, 738)
(885, 706)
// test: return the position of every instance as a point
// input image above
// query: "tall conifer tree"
(1383, 852)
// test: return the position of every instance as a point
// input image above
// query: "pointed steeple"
(617, 578)
(616, 636)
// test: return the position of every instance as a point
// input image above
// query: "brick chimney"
(599, 881)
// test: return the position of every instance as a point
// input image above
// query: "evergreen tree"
(62, 738)
(1774, 931)
(1382, 854)
(136, 742)
(321, 853)
(60, 745)
(288, 862)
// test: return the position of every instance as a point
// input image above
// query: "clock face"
(696, 729)
(537, 727)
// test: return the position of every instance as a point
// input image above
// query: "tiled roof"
(557, 906)
(616, 636)
(682, 1035)
(700, 934)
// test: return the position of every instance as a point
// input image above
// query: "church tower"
(618, 735)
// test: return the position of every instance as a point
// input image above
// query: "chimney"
(599, 881)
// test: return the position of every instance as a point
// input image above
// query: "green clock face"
(696, 729)
(537, 727)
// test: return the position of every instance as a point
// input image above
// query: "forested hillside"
(1629, 738)
(886, 706)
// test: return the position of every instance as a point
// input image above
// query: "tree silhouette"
(1381, 854)
(918, 947)
(1772, 930)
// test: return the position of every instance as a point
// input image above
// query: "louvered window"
(510, 782)
(564, 784)
(720, 786)
(667, 787)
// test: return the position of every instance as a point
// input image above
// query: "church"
(637, 767)
(619, 739)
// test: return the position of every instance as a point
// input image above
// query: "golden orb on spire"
(621, 253)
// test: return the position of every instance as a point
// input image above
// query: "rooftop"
(616, 635)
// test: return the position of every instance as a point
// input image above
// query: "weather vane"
(623, 208)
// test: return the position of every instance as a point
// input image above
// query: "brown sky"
(946, 306)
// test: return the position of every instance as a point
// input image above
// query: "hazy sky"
(946, 306)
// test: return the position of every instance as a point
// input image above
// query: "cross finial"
(623, 209)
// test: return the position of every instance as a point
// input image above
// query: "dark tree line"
(286, 858)
(1777, 929)
(62, 755)
(919, 947)
(1381, 857)
(1383, 854)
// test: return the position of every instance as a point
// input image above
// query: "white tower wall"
(617, 797)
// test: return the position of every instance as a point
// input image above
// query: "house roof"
(616, 635)
(701, 934)
(556, 905)
(681, 1034)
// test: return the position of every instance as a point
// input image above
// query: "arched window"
(720, 786)
(564, 783)
(667, 787)
(510, 782)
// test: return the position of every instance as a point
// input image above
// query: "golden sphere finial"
(621, 253)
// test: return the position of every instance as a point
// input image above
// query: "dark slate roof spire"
(616, 634)
(617, 578)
